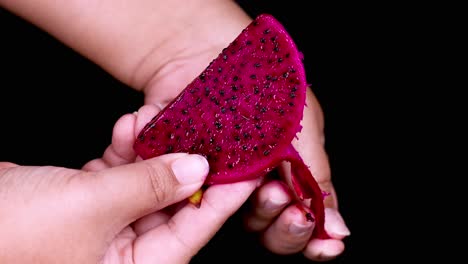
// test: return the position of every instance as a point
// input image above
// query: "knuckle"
(158, 178)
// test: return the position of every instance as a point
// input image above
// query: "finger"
(6, 165)
(124, 133)
(120, 151)
(310, 145)
(289, 233)
(323, 249)
(122, 194)
(267, 203)
(150, 222)
(144, 115)
(191, 228)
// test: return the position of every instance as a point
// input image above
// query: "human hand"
(158, 47)
(218, 204)
(282, 226)
(284, 229)
(58, 215)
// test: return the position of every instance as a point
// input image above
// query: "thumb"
(125, 193)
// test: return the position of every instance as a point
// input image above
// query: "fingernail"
(190, 169)
(273, 204)
(299, 229)
(334, 223)
(277, 199)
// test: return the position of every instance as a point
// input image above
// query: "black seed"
(225, 57)
(141, 138)
(166, 121)
(220, 69)
(237, 126)
(211, 140)
(294, 89)
(255, 148)
(267, 85)
(232, 108)
(194, 90)
(213, 98)
(190, 121)
(291, 104)
(280, 59)
(234, 88)
(202, 77)
(266, 31)
(262, 135)
(223, 110)
(198, 100)
(256, 90)
(292, 95)
(234, 97)
(221, 92)
(266, 152)
(262, 40)
(236, 138)
(248, 42)
(279, 129)
(287, 55)
(230, 165)
(184, 111)
(244, 147)
(281, 111)
(292, 70)
(255, 23)
(276, 49)
(274, 38)
(218, 148)
(285, 75)
(246, 135)
(253, 76)
(268, 77)
(169, 149)
(152, 125)
(257, 65)
(258, 126)
(263, 110)
(218, 125)
(192, 129)
(235, 78)
(274, 78)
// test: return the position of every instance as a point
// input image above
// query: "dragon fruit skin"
(242, 113)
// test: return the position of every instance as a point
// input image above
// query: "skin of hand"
(158, 47)
(58, 215)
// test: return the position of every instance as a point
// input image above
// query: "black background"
(57, 108)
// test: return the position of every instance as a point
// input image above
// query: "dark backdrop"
(57, 108)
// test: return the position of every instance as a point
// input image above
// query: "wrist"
(192, 41)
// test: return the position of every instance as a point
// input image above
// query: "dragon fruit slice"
(242, 113)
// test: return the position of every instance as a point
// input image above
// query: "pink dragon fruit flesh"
(242, 113)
